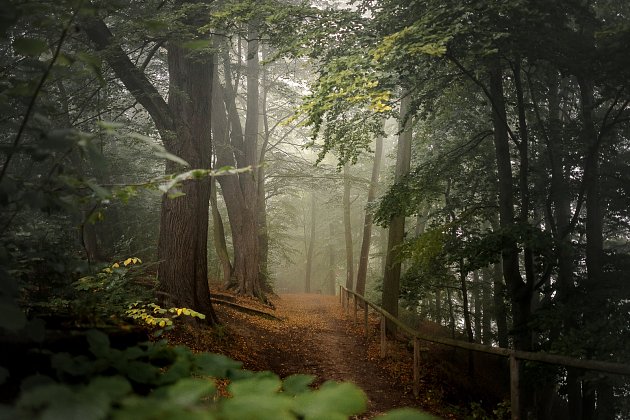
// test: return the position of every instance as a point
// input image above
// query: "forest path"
(315, 336)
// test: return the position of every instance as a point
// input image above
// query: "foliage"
(146, 313)
(153, 380)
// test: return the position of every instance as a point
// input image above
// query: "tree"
(367, 223)
(311, 246)
(391, 279)
(184, 126)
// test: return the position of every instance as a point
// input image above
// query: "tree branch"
(133, 79)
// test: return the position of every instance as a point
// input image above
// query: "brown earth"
(313, 334)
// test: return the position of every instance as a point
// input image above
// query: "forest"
(462, 164)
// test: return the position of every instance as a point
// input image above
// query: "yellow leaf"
(162, 323)
(179, 311)
(127, 262)
(115, 265)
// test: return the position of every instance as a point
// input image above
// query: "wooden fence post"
(416, 367)
(514, 387)
(355, 307)
(383, 337)
(365, 318)
(340, 296)
(347, 301)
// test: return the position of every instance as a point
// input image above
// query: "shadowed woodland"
(186, 184)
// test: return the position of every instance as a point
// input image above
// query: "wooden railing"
(515, 356)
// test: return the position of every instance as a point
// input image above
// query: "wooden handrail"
(543, 357)
(515, 356)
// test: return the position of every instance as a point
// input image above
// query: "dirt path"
(312, 334)
(316, 337)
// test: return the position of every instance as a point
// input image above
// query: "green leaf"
(98, 342)
(188, 391)
(215, 365)
(198, 44)
(143, 373)
(297, 384)
(100, 192)
(406, 414)
(258, 407)
(77, 366)
(264, 383)
(29, 46)
(115, 387)
(340, 399)
(181, 368)
(43, 395)
(169, 156)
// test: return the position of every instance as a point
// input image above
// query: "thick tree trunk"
(183, 239)
(391, 279)
(347, 229)
(367, 222)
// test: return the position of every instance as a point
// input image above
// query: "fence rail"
(515, 356)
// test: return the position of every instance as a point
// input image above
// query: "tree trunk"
(311, 246)
(220, 244)
(438, 306)
(347, 228)
(183, 238)
(331, 261)
(500, 310)
(263, 232)
(594, 223)
(486, 306)
(367, 223)
(477, 304)
(240, 191)
(465, 304)
(518, 290)
(391, 279)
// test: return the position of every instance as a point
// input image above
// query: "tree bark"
(486, 306)
(240, 191)
(220, 244)
(311, 247)
(519, 293)
(391, 279)
(367, 222)
(331, 260)
(183, 238)
(347, 229)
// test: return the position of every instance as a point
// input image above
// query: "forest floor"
(313, 334)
